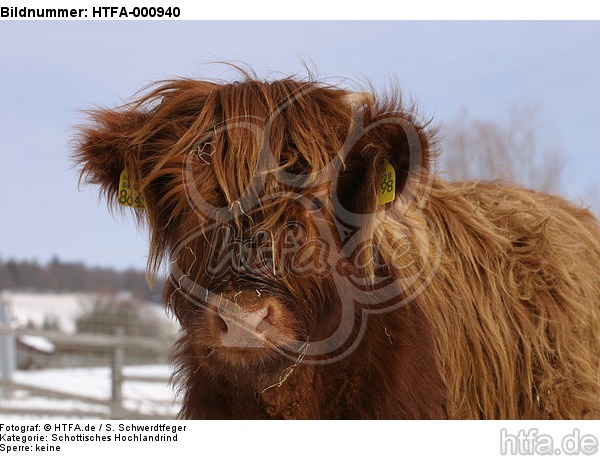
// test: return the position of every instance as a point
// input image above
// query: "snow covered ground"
(32, 309)
(62, 308)
(157, 399)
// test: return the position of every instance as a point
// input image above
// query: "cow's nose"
(243, 328)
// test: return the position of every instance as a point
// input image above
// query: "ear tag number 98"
(387, 185)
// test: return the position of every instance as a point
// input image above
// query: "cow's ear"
(387, 149)
(107, 145)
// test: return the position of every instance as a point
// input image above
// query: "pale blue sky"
(50, 70)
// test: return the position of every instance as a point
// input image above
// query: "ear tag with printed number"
(129, 195)
(387, 186)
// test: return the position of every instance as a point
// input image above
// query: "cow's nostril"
(240, 327)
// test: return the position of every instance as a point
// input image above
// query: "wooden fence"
(109, 408)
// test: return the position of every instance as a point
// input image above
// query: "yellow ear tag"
(128, 193)
(387, 186)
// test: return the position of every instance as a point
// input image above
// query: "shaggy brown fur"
(464, 300)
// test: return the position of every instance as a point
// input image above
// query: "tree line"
(63, 276)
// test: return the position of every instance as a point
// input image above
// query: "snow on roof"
(38, 343)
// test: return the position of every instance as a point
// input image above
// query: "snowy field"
(150, 399)
(64, 309)
(156, 399)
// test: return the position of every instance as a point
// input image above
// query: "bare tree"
(592, 197)
(511, 151)
(110, 311)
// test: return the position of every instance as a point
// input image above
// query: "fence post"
(118, 360)
(8, 352)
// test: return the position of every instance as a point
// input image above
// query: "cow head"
(272, 205)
